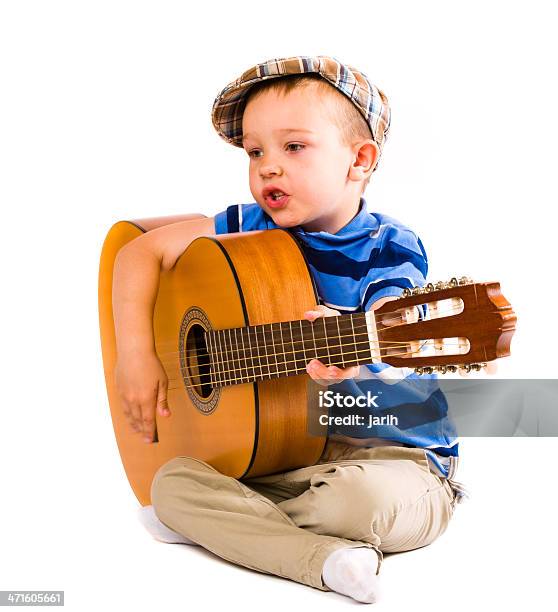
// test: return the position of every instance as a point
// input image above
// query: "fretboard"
(258, 352)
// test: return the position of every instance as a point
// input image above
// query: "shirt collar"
(363, 220)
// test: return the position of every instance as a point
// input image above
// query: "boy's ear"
(366, 154)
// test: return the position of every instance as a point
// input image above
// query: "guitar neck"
(273, 350)
(467, 323)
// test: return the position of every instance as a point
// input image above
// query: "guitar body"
(220, 282)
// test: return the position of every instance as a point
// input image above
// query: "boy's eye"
(292, 146)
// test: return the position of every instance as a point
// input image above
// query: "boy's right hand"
(142, 385)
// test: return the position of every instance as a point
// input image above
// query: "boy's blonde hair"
(352, 125)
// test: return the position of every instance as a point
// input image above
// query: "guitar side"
(138, 462)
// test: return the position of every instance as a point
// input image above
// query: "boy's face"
(310, 164)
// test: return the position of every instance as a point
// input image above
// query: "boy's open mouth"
(274, 197)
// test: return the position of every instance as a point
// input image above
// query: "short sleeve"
(401, 263)
(242, 218)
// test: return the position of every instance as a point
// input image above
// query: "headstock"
(467, 324)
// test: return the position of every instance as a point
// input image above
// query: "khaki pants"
(385, 498)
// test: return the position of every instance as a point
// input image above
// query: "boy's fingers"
(321, 311)
(135, 416)
(162, 405)
(319, 371)
(342, 373)
(312, 314)
(351, 372)
(148, 423)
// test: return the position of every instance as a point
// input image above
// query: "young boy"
(313, 129)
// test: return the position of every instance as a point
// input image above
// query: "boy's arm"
(140, 377)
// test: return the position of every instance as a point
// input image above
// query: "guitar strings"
(246, 345)
(280, 366)
(231, 350)
(229, 380)
(334, 336)
(242, 357)
(278, 372)
(277, 366)
(447, 312)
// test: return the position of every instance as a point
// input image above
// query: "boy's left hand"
(315, 368)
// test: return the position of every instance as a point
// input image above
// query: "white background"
(105, 115)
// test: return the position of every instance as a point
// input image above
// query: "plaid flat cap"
(370, 101)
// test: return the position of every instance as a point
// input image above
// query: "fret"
(209, 351)
(269, 349)
(264, 347)
(221, 357)
(245, 355)
(293, 362)
(354, 337)
(220, 354)
(230, 359)
(260, 356)
(303, 344)
(329, 362)
(231, 367)
(333, 340)
(284, 350)
(274, 351)
(340, 342)
(225, 357)
(320, 342)
(252, 354)
(239, 371)
(314, 340)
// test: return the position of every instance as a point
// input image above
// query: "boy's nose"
(271, 169)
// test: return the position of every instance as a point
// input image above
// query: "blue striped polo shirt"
(371, 257)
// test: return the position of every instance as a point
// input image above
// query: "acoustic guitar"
(229, 332)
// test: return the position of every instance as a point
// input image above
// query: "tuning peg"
(431, 369)
(453, 282)
(470, 367)
(478, 366)
(425, 370)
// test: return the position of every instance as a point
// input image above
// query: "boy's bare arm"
(140, 378)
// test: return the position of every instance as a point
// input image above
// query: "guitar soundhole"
(194, 361)
(197, 361)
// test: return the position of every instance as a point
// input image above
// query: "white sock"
(352, 572)
(148, 518)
